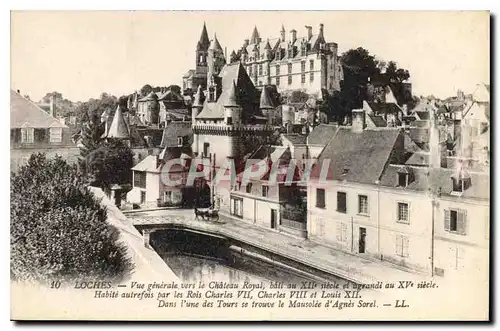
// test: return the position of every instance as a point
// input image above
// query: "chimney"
(309, 31)
(358, 120)
(321, 30)
(53, 105)
(18, 91)
(293, 35)
(246, 43)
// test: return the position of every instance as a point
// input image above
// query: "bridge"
(299, 253)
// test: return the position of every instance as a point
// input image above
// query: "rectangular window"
(260, 69)
(250, 71)
(289, 79)
(403, 210)
(249, 188)
(277, 81)
(277, 70)
(402, 245)
(27, 135)
(311, 77)
(320, 198)
(55, 135)
(289, 68)
(402, 179)
(237, 207)
(143, 197)
(180, 141)
(265, 191)
(139, 179)
(457, 185)
(342, 202)
(303, 66)
(363, 204)
(229, 121)
(311, 65)
(455, 221)
(303, 78)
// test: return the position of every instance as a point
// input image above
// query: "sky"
(84, 53)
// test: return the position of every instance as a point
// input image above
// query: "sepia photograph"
(250, 165)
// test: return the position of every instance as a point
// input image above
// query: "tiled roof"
(418, 159)
(215, 45)
(24, 113)
(437, 179)
(149, 164)
(296, 139)
(384, 108)
(357, 156)
(204, 43)
(189, 73)
(174, 130)
(170, 95)
(378, 121)
(155, 134)
(322, 134)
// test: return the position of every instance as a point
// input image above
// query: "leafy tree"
(91, 133)
(58, 229)
(146, 89)
(359, 65)
(110, 164)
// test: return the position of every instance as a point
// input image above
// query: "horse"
(209, 213)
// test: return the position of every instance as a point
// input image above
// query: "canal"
(197, 257)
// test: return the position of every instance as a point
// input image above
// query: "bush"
(58, 228)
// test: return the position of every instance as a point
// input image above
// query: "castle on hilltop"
(307, 63)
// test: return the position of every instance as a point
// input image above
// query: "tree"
(358, 67)
(58, 229)
(91, 133)
(146, 89)
(110, 164)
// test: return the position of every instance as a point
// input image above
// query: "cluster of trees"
(360, 69)
(104, 162)
(58, 229)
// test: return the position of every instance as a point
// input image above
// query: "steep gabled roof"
(248, 97)
(357, 156)
(322, 134)
(265, 100)
(24, 113)
(174, 130)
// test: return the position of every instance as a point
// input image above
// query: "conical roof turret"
(119, 128)
(232, 100)
(265, 100)
(198, 98)
(215, 45)
(255, 36)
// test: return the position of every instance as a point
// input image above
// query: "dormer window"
(404, 177)
(460, 183)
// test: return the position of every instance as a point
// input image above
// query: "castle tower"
(202, 51)
(197, 104)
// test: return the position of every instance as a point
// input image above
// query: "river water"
(195, 257)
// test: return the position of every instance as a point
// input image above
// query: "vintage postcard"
(250, 165)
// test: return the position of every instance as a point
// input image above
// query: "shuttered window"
(27, 135)
(341, 230)
(402, 246)
(455, 221)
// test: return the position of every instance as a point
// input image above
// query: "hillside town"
(381, 175)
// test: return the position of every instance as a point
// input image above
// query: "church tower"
(202, 51)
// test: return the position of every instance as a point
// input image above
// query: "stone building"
(428, 216)
(32, 130)
(307, 63)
